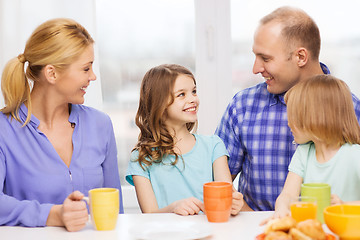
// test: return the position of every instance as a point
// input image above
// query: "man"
(254, 126)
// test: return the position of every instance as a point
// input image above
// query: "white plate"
(174, 231)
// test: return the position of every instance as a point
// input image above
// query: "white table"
(244, 226)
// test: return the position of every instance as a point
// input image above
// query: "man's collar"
(276, 98)
(324, 68)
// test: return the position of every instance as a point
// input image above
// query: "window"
(340, 48)
(134, 36)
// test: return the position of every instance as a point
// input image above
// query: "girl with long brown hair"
(170, 163)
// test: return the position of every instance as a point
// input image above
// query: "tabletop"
(244, 226)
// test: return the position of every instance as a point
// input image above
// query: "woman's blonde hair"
(57, 42)
(156, 94)
(322, 106)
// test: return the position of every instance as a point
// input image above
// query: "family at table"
(300, 125)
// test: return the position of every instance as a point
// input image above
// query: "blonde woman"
(52, 148)
(323, 121)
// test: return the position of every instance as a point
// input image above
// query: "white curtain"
(18, 19)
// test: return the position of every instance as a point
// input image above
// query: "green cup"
(322, 193)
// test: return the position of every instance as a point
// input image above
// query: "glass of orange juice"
(303, 208)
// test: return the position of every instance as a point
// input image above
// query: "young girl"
(323, 121)
(169, 164)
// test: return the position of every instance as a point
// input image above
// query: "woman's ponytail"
(15, 87)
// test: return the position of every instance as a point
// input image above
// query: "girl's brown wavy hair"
(156, 95)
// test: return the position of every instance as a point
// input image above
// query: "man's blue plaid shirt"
(255, 131)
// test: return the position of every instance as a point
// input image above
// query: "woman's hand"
(237, 202)
(72, 214)
(187, 206)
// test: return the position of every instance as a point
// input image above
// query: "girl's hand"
(277, 214)
(188, 206)
(237, 202)
(335, 200)
(281, 212)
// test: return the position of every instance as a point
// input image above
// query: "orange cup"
(217, 201)
(303, 208)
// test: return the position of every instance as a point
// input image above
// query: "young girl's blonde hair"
(57, 42)
(322, 106)
(156, 94)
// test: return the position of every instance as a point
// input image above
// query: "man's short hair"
(299, 29)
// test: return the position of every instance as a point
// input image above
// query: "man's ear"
(50, 73)
(302, 56)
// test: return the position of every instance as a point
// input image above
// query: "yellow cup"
(104, 207)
